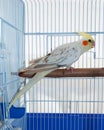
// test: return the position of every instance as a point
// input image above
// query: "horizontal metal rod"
(71, 101)
(61, 33)
(59, 73)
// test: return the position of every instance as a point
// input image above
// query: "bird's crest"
(86, 35)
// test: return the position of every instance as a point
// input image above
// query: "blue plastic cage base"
(65, 121)
(15, 112)
(56, 121)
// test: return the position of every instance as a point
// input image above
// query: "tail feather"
(33, 81)
(35, 61)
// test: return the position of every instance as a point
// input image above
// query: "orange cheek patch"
(85, 42)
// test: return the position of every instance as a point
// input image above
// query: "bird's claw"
(71, 69)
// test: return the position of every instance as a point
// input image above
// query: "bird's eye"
(89, 40)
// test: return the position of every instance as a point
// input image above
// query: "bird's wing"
(40, 68)
(56, 56)
(51, 60)
(60, 54)
(35, 61)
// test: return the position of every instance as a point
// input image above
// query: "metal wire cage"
(11, 56)
(34, 28)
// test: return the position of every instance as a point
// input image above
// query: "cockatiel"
(62, 56)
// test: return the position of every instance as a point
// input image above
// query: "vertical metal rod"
(102, 97)
(43, 3)
(78, 62)
(94, 66)
(71, 102)
(25, 10)
(82, 64)
(63, 105)
(67, 79)
(99, 87)
(86, 66)
(75, 86)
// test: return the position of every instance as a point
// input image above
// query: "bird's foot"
(71, 69)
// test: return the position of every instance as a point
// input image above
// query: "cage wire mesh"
(11, 57)
(51, 23)
(72, 103)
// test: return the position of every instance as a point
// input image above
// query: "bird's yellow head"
(87, 42)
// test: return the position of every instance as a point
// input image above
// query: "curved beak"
(93, 44)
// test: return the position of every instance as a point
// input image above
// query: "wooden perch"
(77, 72)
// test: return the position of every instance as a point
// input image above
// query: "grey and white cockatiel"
(62, 56)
